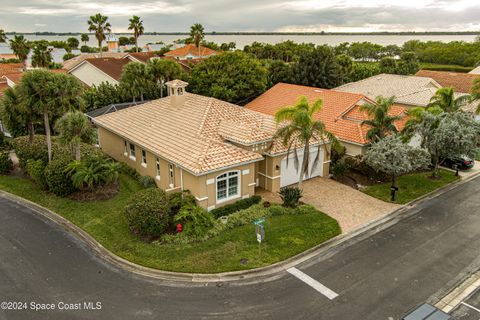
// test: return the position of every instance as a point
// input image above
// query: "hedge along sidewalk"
(322, 251)
(104, 221)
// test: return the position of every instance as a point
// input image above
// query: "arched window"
(228, 185)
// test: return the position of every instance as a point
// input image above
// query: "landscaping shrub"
(290, 196)
(147, 213)
(196, 221)
(340, 168)
(93, 171)
(179, 200)
(36, 150)
(236, 206)
(337, 153)
(129, 171)
(147, 182)
(6, 164)
(3, 142)
(56, 177)
(36, 171)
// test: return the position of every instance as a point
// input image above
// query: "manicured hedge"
(36, 171)
(236, 206)
(58, 181)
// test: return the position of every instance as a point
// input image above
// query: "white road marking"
(469, 306)
(312, 283)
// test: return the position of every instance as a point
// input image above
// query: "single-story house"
(94, 71)
(340, 113)
(219, 151)
(190, 51)
(460, 82)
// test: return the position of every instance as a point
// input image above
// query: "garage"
(288, 173)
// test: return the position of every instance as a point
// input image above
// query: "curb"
(330, 246)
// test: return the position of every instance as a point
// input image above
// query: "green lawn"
(411, 186)
(285, 235)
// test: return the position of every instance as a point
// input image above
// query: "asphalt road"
(378, 276)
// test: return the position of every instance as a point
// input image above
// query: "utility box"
(426, 312)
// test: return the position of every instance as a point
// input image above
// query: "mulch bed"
(98, 194)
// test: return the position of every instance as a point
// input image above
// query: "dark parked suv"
(463, 163)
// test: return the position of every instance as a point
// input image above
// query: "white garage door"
(289, 175)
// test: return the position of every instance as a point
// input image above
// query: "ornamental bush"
(36, 171)
(147, 182)
(236, 206)
(26, 150)
(6, 164)
(148, 213)
(290, 196)
(196, 221)
(56, 177)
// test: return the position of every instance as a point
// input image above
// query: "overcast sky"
(245, 15)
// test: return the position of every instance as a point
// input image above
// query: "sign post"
(259, 232)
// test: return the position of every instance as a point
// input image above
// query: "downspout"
(181, 179)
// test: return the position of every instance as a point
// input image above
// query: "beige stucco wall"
(90, 75)
(354, 149)
(202, 187)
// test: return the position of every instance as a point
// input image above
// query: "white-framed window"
(144, 158)
(125, 150)
(171, 175)
(228, 186)
(132, 151)
(157, 168)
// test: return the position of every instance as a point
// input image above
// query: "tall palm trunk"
(48, 134)
(77, 151)
(100, 47)
(136, 43)
(304, 166)
(31, 131)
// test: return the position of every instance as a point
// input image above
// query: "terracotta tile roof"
(192, 50)
(111, 66)
(460, 82)
(3, 86)
(72, 63)
(340, 111)
(14, 77)
(408, 90)
(141, 56)
(194, 135)
(10, 68)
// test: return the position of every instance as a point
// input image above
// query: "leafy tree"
(73, 43)
(448, 135)
(299, 128)
(381, 122)
(103, 95)
(317, 68)
(41, 57)
(197, 34)
(445, 99)
(230, 76)
(163, 70)
(279, 71)
(84, 38)
(100, 25)
(228, 46)
(3, 36)
(345, 68)
(49, 94)
(408, 63)
(20, 47)
(364, 70)
(68, 56)
(15, 117)
(136, 80)
(74, 128)
(393, 157)
(136, 24)
(388, 65)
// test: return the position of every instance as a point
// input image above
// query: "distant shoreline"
(406, 33)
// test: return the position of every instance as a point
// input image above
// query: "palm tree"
(164, 70)
(21, 48)
(100, 26)
(197, 34)
(73, 129)
(135, 79)
(381, 122)
(84, 38)
(41, 56)
(445, 99)
(298, 128)
(137, 26)
(3, 36)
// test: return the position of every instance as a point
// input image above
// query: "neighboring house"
(219, 151)
(475, 71)
(72, 63)
(460, 82)
(190, 51)
(94, 71)
(340, 112)
(140, 56)
(409, 91)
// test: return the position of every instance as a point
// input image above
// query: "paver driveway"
(350, 207)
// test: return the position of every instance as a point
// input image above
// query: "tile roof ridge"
(205, 115)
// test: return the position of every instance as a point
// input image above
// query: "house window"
(125, 147)
(144, 158)
(157, 166)
(228, 186)
(171, 175)
(132, 151)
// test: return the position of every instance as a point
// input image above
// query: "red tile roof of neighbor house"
(3, 86)
(192, 50)
(111, 66)
(142, 56)
(460, 82)
(10, 68)
(340, 113)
